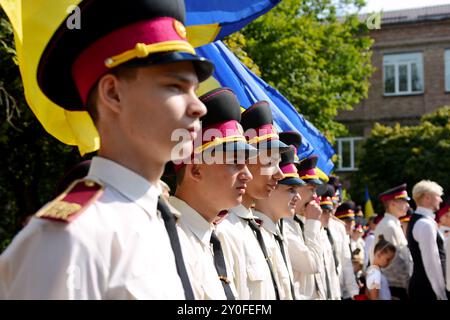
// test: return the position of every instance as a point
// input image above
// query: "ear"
(109, 88)
(194, 171)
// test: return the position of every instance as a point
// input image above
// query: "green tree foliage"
(319, 62)
(393, 155)
(236, 42)
(32, 161)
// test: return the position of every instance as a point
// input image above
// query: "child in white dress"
(376, 283)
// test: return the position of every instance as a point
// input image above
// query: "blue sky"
(388, 5)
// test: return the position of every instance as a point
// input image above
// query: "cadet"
(131, 67)
(271, 211)
(395, 201)
(241, 236)
(207, 186)
(330, 262)
(302, 237)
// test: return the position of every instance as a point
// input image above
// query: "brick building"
(411, 54)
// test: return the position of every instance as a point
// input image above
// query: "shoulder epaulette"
(72, 202)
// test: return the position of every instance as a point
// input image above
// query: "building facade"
(411, 56)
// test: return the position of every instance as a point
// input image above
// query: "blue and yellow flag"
(368, 208)
(35, 21)
(249, 88)
(211, 20)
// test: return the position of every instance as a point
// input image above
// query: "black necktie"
(327, 280)
(219, 262)
(333, 249)
(169, 222)
(257, 231)
(300, 222)
(283, 253)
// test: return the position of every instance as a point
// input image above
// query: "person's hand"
(313, 210)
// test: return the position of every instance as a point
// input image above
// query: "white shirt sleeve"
(425, 233)
(347, 268)
(373, 278)
(304, 254)
(45, 261)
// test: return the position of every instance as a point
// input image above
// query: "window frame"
(352, 140)
(401, 59)
(447, 70)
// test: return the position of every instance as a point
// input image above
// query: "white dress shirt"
(251, 274)
(368, 243)
(349, 287)
(328, 268)
(118, 248)
(195, 235)
(305, 252)
(425, 232)
(375, 279)
(282, 270)
(400, 269)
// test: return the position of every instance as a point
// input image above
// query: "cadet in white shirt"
(216, 182)
(241, 237)
(339, 223)
(426, 244)
(303, 236)
(330, 263)
(103, 238)
(271, 211)
(395, 201)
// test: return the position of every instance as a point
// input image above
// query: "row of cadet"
(247, 225)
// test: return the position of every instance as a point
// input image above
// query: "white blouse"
(376, 280)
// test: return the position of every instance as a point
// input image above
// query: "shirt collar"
(392, 217)
(302, 218)
(267, 223)
(425, 212)
(243, 212)
(201, 228)
(130, 184)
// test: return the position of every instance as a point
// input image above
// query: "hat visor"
(316, 182)
(327, 206)
(273, 144)
(242, 151)
(203, 67)
(291, 181)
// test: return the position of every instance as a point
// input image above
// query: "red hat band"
(394, 196)
(137, 40)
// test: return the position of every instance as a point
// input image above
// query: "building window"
(348, 149)
(447, 70)
(403, 74)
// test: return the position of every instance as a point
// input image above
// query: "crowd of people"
(246, 219)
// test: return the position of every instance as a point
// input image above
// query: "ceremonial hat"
(326, 201)
(307, 170)
(395, 193)
(221, 128)
(293, 139)
(257, 122)
(289, 170)
(442, 211)
(346, 211)
(124, 33)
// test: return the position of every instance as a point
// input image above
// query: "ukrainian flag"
(35, 21)
(249, 88)
(368, 208)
